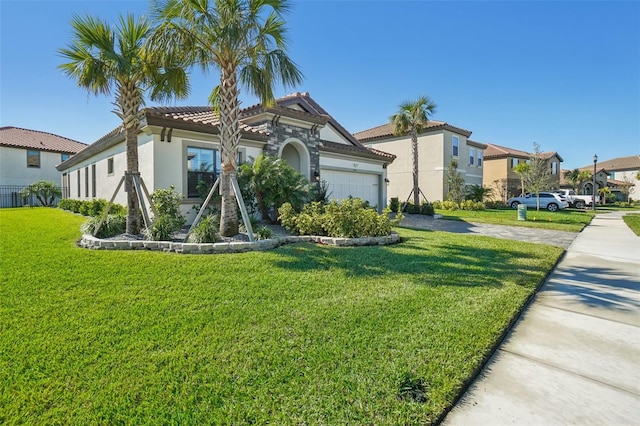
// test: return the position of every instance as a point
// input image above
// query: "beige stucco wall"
(629, 175)
(14, 170)
(435, 151)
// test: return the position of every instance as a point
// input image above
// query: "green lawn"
(304, 334)
(633, 222)
(563, 220)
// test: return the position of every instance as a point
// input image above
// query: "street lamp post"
(595, 161)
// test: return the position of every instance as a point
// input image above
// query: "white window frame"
(472, 155)
(479, 162)
(455, 146)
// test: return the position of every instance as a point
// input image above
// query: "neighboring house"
(499, 162)
(27, 156)
(438, 144)
(180, 146)
(616, 174)
(585, 188)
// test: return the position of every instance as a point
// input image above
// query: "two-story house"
(438, 144)
(27, 156)
(499, 174)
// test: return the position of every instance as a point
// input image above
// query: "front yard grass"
(304, 334)
(563, 220)
(633, 222)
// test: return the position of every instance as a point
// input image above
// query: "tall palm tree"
(411, 119)
(115, 59)
(245, 41)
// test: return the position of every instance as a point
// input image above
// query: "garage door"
(358, 185)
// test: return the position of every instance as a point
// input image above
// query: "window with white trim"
(455, 143)
(554, 168)
(479, 158)
(472, 154)
(514, 162)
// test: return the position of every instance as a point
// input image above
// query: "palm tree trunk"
(414, 152)
(229, 141)
(129, 101)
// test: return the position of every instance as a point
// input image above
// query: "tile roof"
(198, 115)
(621, 163)
(350, 149)
(497, 151)
(33, 139)
(204, 119)
(386, 130)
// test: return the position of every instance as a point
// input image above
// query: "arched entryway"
(296, 155)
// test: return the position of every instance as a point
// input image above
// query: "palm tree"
(411, 119)
(245, 41)
(522, 169)
(105, 59)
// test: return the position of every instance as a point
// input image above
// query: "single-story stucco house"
(180, 146)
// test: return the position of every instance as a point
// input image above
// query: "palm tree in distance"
(105, 60)
(245, 41)
(412, 118)
(523, 170)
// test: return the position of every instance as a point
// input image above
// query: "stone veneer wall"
(281, 132)
(91, 242)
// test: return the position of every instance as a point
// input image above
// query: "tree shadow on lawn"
(420, 260)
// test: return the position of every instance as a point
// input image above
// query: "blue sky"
(563, 74)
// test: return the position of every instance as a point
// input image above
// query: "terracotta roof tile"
(494, 151)
(34, 139)
(201, 115)
(621, 163)
(386, 130)
(366, 152)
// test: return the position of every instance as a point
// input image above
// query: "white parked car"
(548, 200)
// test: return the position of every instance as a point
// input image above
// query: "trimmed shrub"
(495, 204)
(349, 219)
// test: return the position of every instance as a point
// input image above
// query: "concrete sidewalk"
(574, 355)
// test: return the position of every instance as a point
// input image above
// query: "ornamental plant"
(351, 218)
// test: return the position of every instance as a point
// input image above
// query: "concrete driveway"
(543, 236)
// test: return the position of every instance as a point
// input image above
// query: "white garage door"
(358, 185)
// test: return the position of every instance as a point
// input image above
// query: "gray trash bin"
(522, 212)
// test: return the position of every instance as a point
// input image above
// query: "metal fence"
(10, 197)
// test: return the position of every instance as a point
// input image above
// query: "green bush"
(472, 205)
(169, 218)
(207, 231)
(495, 204)
(394, 204)
(91, 207)
(349, 219)
(437, 205)
(114, 224)
(270, 182)
(449, 205)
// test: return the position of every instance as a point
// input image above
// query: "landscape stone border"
(90, 242)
